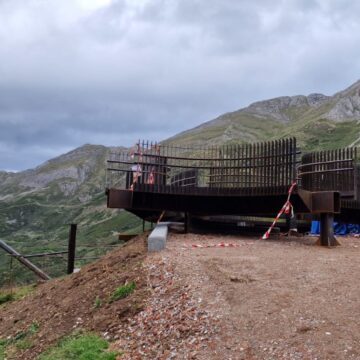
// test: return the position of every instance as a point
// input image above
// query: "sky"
(112, 71)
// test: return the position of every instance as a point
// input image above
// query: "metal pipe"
(324, 171)
(24, 261)
(40, 254)
(324, 162)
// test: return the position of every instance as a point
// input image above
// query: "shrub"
(97, 303)
(3, 344)
(123, 291)
(5, 298)
(34, 327)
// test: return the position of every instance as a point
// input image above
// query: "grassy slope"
(312, 130)
(43, 227)
(234, 127)
(80, 347)
(37, 221)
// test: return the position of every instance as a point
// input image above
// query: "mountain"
(78, 173)
(318, 121)
(37, 205)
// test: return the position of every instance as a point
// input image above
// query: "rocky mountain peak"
(273, 107)
(69, 170)
(347, 106)
(317, 99)
(349, 91)
(277, 107)
(81, 153)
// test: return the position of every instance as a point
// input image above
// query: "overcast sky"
(112, 71)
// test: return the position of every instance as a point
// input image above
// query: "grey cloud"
(151, 68)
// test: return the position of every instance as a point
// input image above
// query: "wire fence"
(54, 262)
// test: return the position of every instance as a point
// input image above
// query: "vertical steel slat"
(266, 182)
(251, 168)
(247, 163)
(261, 180)
(343, 177)
(272, 162)
(275, 165)
(246, 167)
(241, 162)
(254, 179)
(330, 166)
(288, 162)
(257, 169)
(267, 168)
(283, 161)
(339, 164)
(356, 194)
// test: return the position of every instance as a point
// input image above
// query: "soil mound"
(81, 300)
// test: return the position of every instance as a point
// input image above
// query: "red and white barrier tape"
(287, 208)
(219, 245)
(222, 244)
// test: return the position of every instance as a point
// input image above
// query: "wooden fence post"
(71, 248)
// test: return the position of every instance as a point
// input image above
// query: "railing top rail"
(325, 162)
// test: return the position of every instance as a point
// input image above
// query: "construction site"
(232, 183)
(229, 270)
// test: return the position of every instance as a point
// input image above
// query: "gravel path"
(273, 299)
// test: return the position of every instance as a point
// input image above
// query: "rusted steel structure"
(250, 179)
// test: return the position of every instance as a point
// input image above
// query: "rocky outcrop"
(346, 108)
(316, 100)
(273, 107)
(345, 105)
(84, 166)
(42, 179)
(278, 108)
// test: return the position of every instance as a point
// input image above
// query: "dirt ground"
(273, 299)
(79, 301)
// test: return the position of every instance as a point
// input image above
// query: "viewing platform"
(248, 179)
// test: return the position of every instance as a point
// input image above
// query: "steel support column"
(327, 237)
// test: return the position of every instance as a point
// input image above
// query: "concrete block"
(157, 238)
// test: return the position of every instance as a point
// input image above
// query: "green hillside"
(37, 206)
(317, 121)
